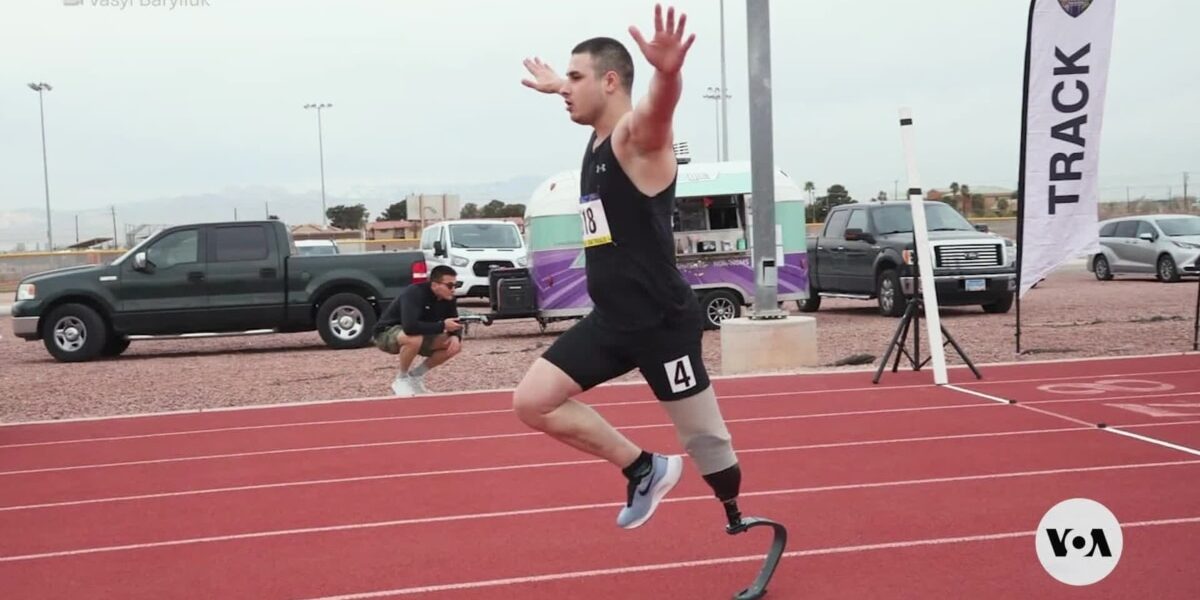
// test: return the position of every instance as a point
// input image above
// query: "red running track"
(899, 490)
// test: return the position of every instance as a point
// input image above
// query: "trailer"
(713, 242)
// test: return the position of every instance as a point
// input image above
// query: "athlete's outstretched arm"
(650, 123)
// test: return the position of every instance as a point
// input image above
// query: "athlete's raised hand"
(545, 80)
(667, 49)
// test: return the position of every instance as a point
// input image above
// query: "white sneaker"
(403, 386)
(418, 384)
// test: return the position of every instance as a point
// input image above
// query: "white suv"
(473, 247)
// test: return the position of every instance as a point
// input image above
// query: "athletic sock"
(419, 370)
(640, 467)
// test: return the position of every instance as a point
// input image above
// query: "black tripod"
(912, 317)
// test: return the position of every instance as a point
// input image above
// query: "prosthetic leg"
(726, 485)
(702, 432)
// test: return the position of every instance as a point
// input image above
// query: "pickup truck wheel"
(719, 305)
(346, 321)
(74, 333)
(1000, 306)
(887, 290)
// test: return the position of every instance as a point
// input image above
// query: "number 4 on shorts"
(680, 374)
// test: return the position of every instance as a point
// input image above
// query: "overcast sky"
(151, 101)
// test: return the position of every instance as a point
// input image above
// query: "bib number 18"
(595, 222)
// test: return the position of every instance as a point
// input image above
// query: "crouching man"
(422, 320)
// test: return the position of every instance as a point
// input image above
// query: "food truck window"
(706, 213)
(723, 212)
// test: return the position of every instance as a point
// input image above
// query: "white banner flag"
(1066, 75)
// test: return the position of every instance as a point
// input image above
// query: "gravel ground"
(1070, 315)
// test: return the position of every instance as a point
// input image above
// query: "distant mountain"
(28, 225)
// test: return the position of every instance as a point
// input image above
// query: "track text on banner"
(1066, 73)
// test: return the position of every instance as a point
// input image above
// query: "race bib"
(595, 223)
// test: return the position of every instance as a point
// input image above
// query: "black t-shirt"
(418, 310)
(631, 273)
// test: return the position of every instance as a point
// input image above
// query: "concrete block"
(760, 346)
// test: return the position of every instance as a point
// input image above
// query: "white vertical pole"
(924, 254)
(724, 95)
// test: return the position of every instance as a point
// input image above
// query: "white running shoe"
(418, 384)
(403, 386)
(645, 494)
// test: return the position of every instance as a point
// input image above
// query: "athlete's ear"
(612, 81)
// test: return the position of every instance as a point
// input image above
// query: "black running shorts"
(669, 356)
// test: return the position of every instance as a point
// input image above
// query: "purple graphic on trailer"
(561, 281)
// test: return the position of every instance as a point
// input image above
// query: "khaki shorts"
(388, 341)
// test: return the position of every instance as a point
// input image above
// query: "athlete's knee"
(528, 405)
(712, 450)
(539, 394)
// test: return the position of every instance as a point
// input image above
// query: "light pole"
(321, 149)
(724, 105)
(39, 88)
(714, 93)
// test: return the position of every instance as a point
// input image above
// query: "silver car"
(1166, 245)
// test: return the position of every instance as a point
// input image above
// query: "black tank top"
(631, 274)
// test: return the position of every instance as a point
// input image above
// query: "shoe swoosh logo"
(646, 488)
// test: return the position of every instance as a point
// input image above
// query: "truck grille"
(482, 267)
(968, 256)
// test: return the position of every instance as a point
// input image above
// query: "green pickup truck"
(210, 279)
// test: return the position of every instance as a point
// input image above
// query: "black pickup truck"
(211, 279)
(867, 251)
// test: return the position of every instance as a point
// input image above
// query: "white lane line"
(981, 395)
(461, 439)
(1101, 426)
(458, 394)
(386, 476)
(427, 416)
(467, 585)
(506, 411)
(1146, 438)
(469, 393)
(576, 507)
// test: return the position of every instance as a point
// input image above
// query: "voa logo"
(1079, 541)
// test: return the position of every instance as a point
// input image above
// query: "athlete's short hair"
(609, 55)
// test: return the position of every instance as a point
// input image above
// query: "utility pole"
(39, 88)
(321, 148)
(76, 228)
(762, 163)
(114, 219)
(723, 103)
(717, 94)
(1186, 206)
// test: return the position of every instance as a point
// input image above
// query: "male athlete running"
(644, 315)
